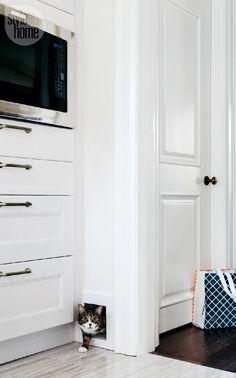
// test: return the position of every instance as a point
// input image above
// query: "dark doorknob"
(207, 180)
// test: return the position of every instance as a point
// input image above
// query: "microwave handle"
(22, 128)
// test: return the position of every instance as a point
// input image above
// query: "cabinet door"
(65, 5)
(38, 300)
(42, 230)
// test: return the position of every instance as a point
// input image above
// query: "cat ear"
(81, 308)
(99, 310)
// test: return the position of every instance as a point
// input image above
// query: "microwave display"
(34, 75)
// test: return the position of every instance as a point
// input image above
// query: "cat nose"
(90, 324)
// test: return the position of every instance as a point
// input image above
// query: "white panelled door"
(184, 106)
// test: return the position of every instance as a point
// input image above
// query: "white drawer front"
(43, 142)
(42, 230)
(44, 177)
(39, 300)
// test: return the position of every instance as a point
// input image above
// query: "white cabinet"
(38, 300)
(42, 230)
(36, 223)
(64, 5)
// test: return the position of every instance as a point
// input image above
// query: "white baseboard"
(175, 316)
(34, 343)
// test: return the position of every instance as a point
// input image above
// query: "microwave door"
(17, 70)
(34, 81)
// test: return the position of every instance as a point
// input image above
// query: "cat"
(91, 319)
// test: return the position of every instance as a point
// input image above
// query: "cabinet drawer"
(21, 139)
(36, 177)
(42, 230)
(38, 300)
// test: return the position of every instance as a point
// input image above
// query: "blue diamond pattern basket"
(215, 300)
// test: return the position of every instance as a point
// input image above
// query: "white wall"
(94, 148)
(115, 168)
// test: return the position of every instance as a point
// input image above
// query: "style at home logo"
(20, 25)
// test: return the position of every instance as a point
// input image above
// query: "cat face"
(90, 321)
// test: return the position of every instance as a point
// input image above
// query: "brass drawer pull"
(26, 271)
(26, 204)
(10, 165)
(22, 128)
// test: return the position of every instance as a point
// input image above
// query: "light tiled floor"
(66, 362)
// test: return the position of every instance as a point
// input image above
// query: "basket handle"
(231, 293)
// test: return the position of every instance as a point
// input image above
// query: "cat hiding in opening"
(92, 320)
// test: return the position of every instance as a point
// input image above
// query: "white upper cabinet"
(64, 5)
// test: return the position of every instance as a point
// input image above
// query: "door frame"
(135, 179)
(136, 246)
(231, 91)
(220, 131)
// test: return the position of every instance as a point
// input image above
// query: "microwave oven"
(37, 69)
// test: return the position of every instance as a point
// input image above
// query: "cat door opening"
(102, 335)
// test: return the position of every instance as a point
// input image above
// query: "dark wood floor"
(214, 348)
